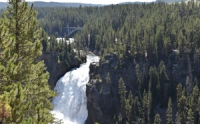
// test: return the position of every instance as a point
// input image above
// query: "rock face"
(58, 69)
(103, 99)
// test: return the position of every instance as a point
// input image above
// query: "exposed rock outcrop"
(103, 99)
(58, 69)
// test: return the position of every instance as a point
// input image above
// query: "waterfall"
(71, 103)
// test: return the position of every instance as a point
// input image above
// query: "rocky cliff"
(58, 69)
(103, 101)
(102, 97)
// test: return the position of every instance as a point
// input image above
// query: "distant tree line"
(61, 46)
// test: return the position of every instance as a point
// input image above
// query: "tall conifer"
(157, 119)
(122, 93)
(23, 76)
(169, 112)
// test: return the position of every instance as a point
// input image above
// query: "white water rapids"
(71, 103)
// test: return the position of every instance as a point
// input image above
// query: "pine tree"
(169, 112)
(6, 68)
(31, 96)
(145, 108)
(137, 109)
(190, 117)
(193, 102)
(179, 91)
(150, 107)
(129, 107)
(154, 84)
(122, 93)
(44, 40)
(163, 77)
(182, 108)
(138, 75)
(188, 86)
(189, 83)
(157, 119)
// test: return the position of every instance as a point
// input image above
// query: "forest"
(159, 41)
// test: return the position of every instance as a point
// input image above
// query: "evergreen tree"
(157, 119)
(23, 77)
(193, 103)
(137, 109)
(145, 108)
(154, 84)
(163, 77)
(129, 107)
(179, 91)
(182, 108)
(138, 75)
(169, 112)
(122, 93)
(150, 107)
(190, 117)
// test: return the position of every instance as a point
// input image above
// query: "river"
(71, 103)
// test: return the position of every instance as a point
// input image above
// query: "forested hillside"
(149, 70)
(151, 52)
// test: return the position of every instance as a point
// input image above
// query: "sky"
(91, 1)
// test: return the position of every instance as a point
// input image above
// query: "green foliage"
(169, 112)
(190, 117)
(157, 119)
(134, 31)
(122, 93)
(182, 108)
(156, 39)
(129, 110)
(22, 77)
(154, 83)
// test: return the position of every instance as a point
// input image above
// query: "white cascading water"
(71, 103)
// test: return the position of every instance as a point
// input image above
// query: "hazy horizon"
(89, 1)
